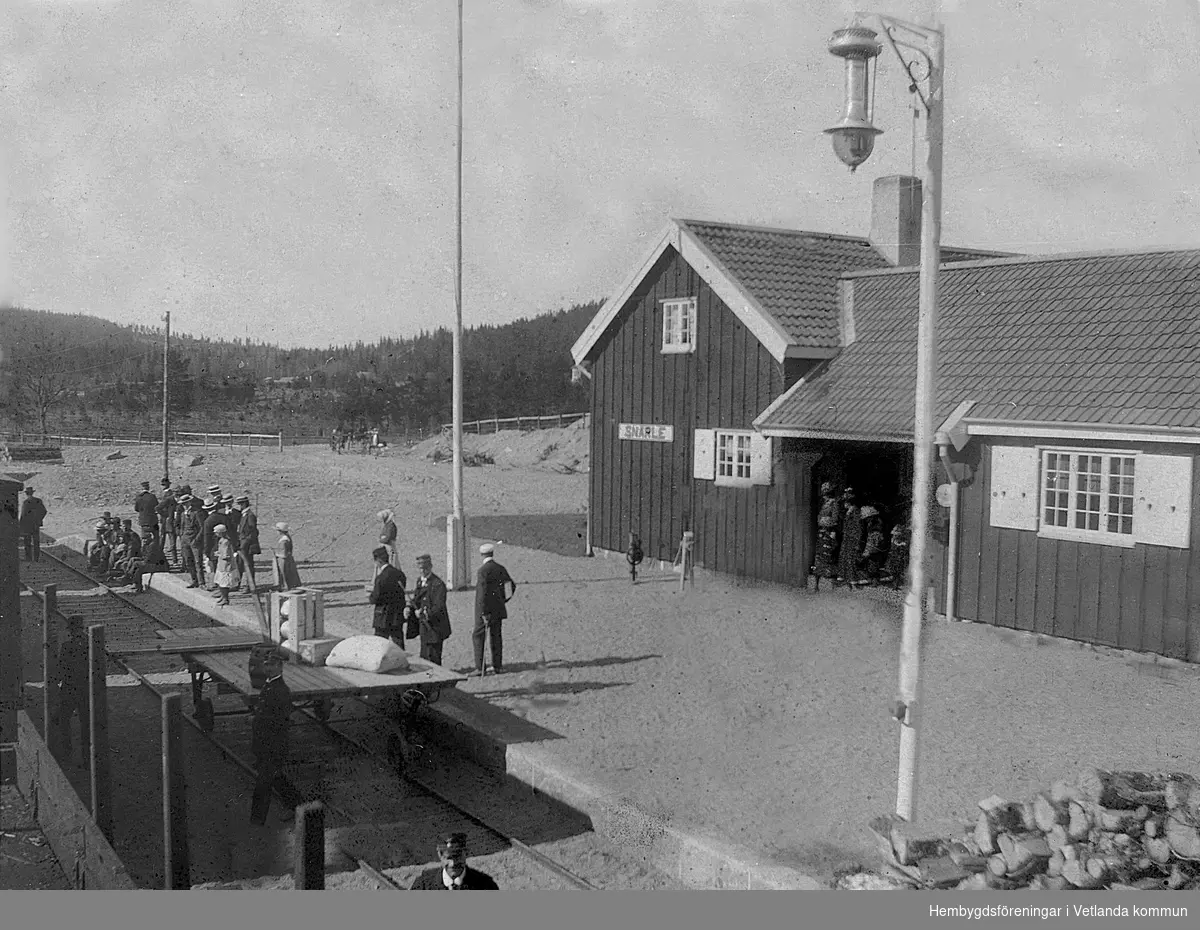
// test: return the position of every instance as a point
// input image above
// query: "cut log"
(1183, 838)
(1080, 822)
(997, 866)
(977, 882)
(1179, 877)
(1005, 815)
(1153, 825)
(1077, 874)
(1182, 793)
(941, 872)
(965, 859)
(1129, 790)
(1055, 864)
(1057, 837)
(1118, 821)
(1028, 819)
(912, 842)
(1020, 849)
(1158, 849)
(1048, 813)
(1150, 884)
(985, 835)
(1055, 883)
(999, 882)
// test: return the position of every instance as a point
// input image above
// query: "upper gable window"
(679, 325)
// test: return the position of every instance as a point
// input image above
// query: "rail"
(149, 437)
(495, 424)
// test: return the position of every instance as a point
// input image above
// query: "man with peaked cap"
(191, 528)
(166, 520)
(387, 594)
(427, 614)
(490, 611)
(454, 874)
(146, 505)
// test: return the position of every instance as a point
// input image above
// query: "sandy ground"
(749, 712)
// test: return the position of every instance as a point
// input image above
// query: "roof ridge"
(862, 240)
(1033, 259)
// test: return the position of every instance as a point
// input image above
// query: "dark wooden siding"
(647, 487)
(1142, 598)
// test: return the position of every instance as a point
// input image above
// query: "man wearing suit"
(208, 538)
(489, 608)
(388, 597)
(33, 512)
(146, 505)
(270, 746)
(167, 506)
(454, 874)
(427, 614)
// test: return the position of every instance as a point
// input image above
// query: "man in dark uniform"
(269, 743)
(388, 597)
(190, 531)
(490, 611)
(146, 505)
(427, 614)
(247, 535)
(74, 692)
(166, 519)
(33, 512)
(454, 874)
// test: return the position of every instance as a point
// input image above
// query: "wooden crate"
(305, 609)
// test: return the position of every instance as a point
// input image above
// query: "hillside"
(66, 372)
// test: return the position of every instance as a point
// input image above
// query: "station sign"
(646, 432)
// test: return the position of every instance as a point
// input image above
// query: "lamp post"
(456, 524)
(853, 141)
(166, 350)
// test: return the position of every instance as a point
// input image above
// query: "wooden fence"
(149, 437)
(496, 424)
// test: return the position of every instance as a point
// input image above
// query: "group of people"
(366, 440)
(217, 535)
(852, 547)
(422, 614)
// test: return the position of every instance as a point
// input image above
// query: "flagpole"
(456, 560)
(166, 348)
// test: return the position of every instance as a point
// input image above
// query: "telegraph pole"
(166, 347)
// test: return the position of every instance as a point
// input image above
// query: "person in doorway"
(74, 690)
(146, 505)
(387, 535)
(248, 539)
(289, 575)
(30, 519)
(829, 527)
(427, 615)
(454, 874)
(270, 745)
(225, 573)
(851, 547)
(490, 609)
(874, 548)
(896, 566)
(167, 506)
(388, 596)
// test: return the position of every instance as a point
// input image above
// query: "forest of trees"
(70, 371)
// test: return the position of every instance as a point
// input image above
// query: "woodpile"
(50, 455)
(1115, 830)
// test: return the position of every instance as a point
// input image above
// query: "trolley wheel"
(204, 715)
(395, 754)
(323, 709)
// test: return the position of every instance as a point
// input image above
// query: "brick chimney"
(896, 219)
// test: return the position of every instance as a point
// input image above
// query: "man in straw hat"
(427, 614)
(454, 874)
(490, 611)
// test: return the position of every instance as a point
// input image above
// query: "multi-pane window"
(733, 456)
(679, 325)
(1087, 492)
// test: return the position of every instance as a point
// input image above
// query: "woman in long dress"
(387, 536)
(226, 574)
(289, 576)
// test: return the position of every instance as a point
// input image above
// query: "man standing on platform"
(33, 513)
(191, 527)
(247, 534)
(427, 614)
(388, 597)
(208, 539)
(454, 874)
(490, 611)
(146, 505)
(166, 519)
(270, 745)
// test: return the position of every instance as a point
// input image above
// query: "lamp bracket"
(919, 69)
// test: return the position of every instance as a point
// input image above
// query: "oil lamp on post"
(853, 141)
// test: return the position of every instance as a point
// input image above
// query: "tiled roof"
(1100, 339)
(793, 274)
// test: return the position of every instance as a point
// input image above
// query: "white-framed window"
(733, 457)
(1115, 497)
(1088, 493)
(679, 325)
(737, 458)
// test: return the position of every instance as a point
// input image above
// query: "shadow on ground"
(560, 533)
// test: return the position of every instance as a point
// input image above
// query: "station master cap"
(487, 549)
(453, 842)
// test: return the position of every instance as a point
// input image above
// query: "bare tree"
(41, 379)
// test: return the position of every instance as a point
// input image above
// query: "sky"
(286, 172)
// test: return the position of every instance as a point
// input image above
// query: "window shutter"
(1162, 507)
(760, 459)
(1015, 488)
(704, 457)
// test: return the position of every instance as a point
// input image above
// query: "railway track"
(354, 771)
